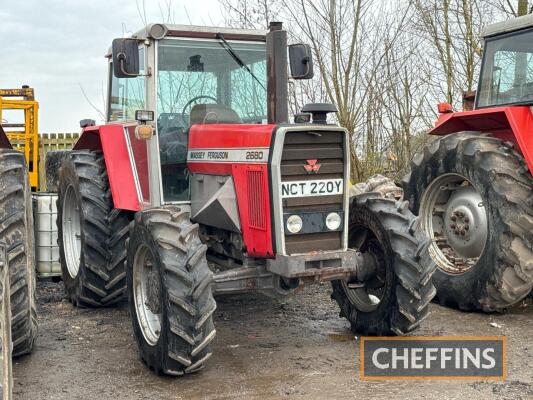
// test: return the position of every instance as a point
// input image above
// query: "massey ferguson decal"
(312, 166)
(243, 155)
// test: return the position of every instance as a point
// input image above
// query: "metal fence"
(52, 141)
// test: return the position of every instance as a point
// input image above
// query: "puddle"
(341, 336)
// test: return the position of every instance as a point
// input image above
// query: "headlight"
(294, 224)
(333, 221)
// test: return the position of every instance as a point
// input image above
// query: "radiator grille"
(328, 148)
(256, 192)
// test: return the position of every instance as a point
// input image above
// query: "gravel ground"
(295, 348)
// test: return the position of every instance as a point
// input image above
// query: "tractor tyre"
(16, 231)
(397, 298)
(52, 164)
(169, 290)
(91, 233)
(6, 369)
(472, 193)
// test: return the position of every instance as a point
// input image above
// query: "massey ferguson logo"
(312, 166)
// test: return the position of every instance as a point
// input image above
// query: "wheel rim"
(71, 228)
(453, 215)
(368, 297)
(146, 295)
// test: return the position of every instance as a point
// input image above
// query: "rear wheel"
(396, 299)
(169, 288)
(473, 195)
(91, 233)
(16, 231)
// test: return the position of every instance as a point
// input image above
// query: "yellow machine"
(23, 136)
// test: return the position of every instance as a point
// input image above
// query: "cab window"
(127, 94)
(507, 72)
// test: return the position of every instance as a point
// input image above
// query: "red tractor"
(472, 187)
(198, 186)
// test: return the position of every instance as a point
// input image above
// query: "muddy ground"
(297, 348)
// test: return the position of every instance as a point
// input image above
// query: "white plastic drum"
(46, 248)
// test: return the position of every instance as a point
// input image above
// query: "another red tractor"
(472, 187)
(198, 185)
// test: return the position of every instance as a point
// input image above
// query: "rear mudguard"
(128, 179)
(511, 123)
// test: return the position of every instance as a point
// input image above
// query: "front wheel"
(169, 290)
(396, 299)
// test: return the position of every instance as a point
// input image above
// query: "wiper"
(226, 46)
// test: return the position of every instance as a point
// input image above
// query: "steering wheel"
(195, 99)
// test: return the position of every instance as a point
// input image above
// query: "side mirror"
(125, 58)
(301, 61)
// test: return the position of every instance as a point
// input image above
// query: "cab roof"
(196, 31)
(509, 25)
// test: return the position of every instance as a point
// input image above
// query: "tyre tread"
(511, 187)
(105, 230)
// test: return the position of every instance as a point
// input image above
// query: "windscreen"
(204, 82)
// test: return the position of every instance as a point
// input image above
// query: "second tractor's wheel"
(473, 195)
(52, 165)
(91, 233)
(169, 287)
(396, 299)
(16, 231)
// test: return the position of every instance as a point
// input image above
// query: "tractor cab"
(187, 75)
(507, 70)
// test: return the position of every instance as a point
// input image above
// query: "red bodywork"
(511, 123)
(111, 140)
(250, 179)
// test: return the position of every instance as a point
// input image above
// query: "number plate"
(319, 187)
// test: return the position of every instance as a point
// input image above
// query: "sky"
(58, 47)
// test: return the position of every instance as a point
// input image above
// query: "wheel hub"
(466, 222)
(153, 289)
(453, 215)
(147, 294)
(367, 290)
(71, 231)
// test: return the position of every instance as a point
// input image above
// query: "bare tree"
(451, 31)
(251, 14)
(512, 8)
(383, 64)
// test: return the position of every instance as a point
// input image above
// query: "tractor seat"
(170, 122)
(213, 114)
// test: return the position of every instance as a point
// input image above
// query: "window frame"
(484, 64)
